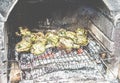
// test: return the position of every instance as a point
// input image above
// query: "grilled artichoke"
(50, 44)
(37, 42)
(81, 31)
(81, 35)
(24, 31)
(37, 36)
(52, 37)
(37, 48)
(82, 40)
(66, 43)
(23, 46)
(61, 33)
(71, 35)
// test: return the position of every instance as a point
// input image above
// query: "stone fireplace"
(101, 18)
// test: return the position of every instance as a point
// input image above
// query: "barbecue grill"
(97, 63)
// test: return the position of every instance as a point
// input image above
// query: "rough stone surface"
(5, 7)
(116, 37)
(4, 12)
(103, 23)
(1, 40)
(111, 9)
(113, 5)
(110, 31)
(3, 57)
(106, 42)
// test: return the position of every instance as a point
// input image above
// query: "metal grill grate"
(58, 66)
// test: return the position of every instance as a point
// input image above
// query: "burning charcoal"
(54, 50)
(80, 51)
(27, 75)
(25, 61)
(101, 68)
(35, 62)
(97, 49)
(92, 43)
(93, 47)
